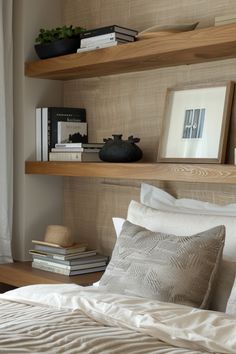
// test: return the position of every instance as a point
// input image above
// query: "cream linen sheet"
(73, 319)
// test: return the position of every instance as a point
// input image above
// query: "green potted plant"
(57, 41)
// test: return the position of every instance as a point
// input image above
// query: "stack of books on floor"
(105, 37)
(225, 20)
(76, 152)
(69, 261)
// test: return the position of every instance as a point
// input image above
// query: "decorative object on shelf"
(58, 236)
(118, 150)
(163, 30)
(58, 41)
(195, 124)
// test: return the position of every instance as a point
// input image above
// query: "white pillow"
(156, 198)
(185, 224)
(231, 305)
(118, 223)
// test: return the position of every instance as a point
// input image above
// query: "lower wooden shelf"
(21, 273)
(205, 173)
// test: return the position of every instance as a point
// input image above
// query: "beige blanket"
(72, 319)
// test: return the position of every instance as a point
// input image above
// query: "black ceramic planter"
(57, 48)
(118, 150)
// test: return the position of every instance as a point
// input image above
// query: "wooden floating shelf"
(207, 173)
(208, 44)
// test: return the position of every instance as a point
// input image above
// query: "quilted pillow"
(155, 265)
(183, 224)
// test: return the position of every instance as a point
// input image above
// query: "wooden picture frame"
(195, 124)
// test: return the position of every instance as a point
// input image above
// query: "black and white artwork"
(193, 123)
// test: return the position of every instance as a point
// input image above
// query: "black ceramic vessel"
(117, 150)
(57, 48)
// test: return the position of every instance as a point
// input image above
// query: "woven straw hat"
(58, 235)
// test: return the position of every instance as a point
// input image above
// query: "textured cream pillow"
(183, 224)
(165, 267)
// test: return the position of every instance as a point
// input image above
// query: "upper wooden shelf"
(208, 44)
(208, 173)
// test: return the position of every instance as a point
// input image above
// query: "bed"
(154, 296)
(72, 319)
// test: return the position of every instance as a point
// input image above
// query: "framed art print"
(195, 124)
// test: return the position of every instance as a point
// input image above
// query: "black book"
(108, 29)
(50, 116)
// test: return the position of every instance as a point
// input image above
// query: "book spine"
(73, 262)
(44, 134)
(66, 145)
(50, 268)
(100, 45)
(75, 150)
(65, 156)
(108, 29)
(74, 156)
(68, 266)
(70, 257)
(89, 270)
(106, 38)
(38, 134)
(80, 145)
(97, 32)
(92, 41)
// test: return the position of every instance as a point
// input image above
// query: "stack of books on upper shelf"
(76, 152)
(225, 20)
(105, 37)
(69, 261)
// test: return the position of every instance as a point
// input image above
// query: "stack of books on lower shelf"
(76, 152)
(103, 37)
(69, 261)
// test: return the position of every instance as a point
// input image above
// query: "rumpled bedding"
(67, 318)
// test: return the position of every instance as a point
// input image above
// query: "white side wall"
(38, 200)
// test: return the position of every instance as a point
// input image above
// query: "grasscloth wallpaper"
(133, 104)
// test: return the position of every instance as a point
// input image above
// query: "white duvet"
(177, 325)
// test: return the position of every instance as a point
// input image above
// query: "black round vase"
(118, 150)
(57, 48)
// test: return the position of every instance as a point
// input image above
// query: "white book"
(98, 46)
(69, 267)
(80, 145)
(86, 42)
(74, 156)
(75, 150)
(66, 271)
(44, 134)
(66, 131)
(63, 257)
(38, 134)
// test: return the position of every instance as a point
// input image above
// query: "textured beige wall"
(38, 200)
(133, 104)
